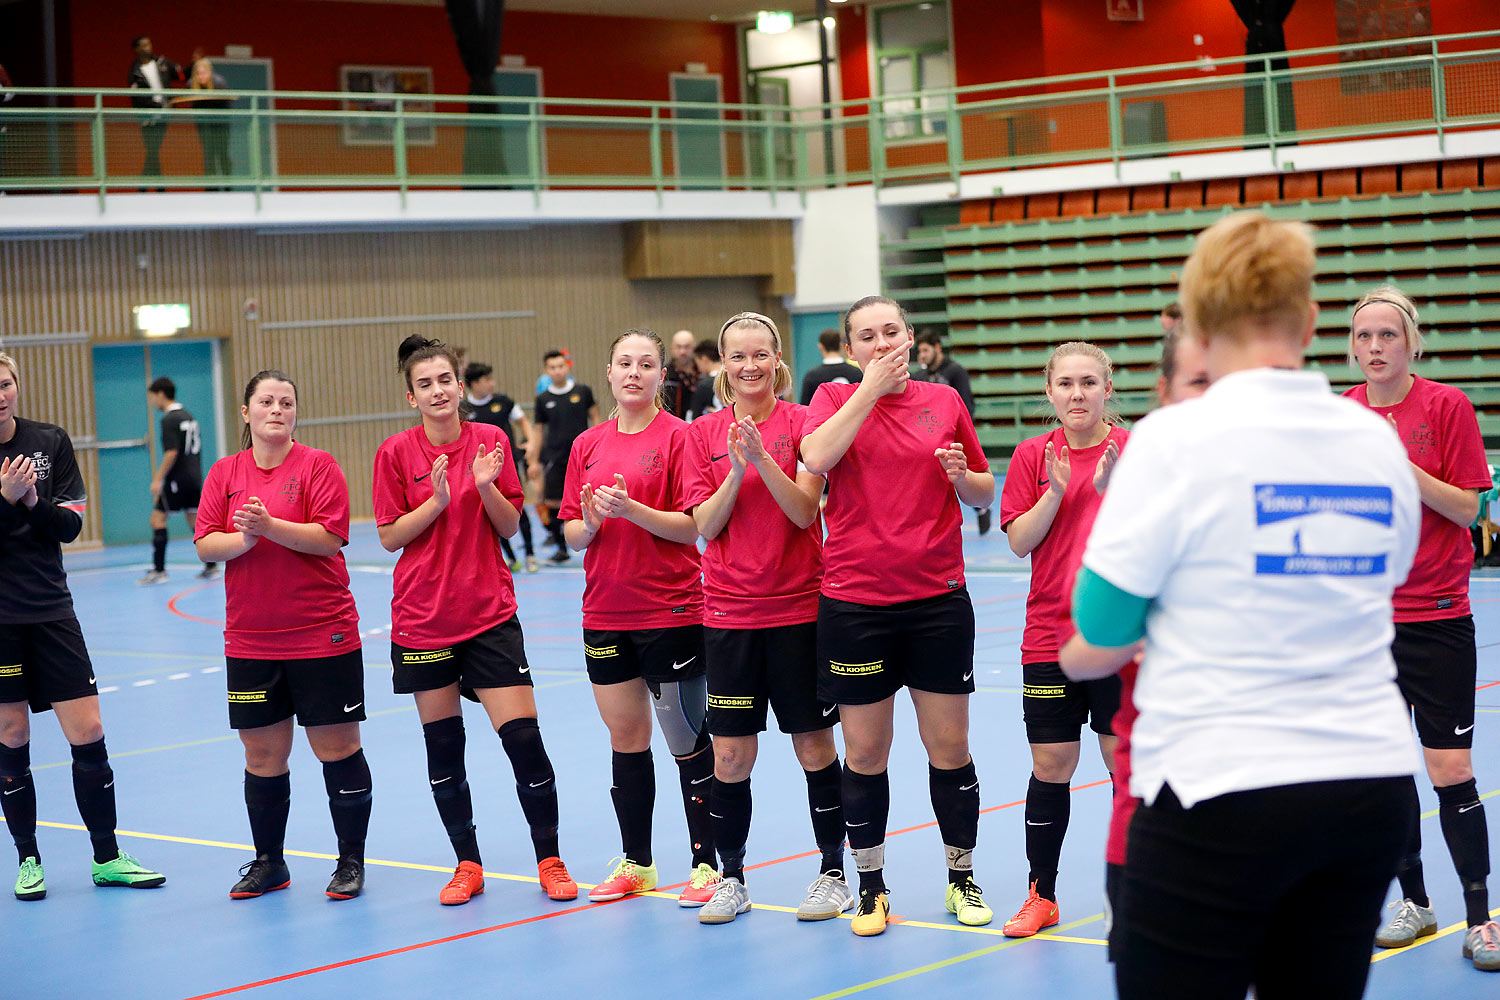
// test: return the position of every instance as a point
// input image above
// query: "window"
(1375, 21)
(913, 56)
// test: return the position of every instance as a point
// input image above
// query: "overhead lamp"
(773, 22)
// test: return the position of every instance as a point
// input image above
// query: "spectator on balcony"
(213, 130)
(153, 73)
(681, 376)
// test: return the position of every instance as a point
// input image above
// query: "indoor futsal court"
(157, 657)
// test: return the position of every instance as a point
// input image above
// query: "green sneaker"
(30, 883)
(128, 872)
(965, 902)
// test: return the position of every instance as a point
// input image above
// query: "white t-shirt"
(1269, 522)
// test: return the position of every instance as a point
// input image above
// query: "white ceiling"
(686, 10)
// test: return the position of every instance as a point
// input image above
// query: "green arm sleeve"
(1105, 614)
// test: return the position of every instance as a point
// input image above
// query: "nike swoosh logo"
(13, 791)
(968, 675)
(111, 784)
(1030, 823)
(679, 666)
(418, 479)
(1043, 482)
(714, 815)
(1461, 809)
(232, 494)
(91, 680)
(829, 711)
(538, 784)
(525, 670)
(441, 780)
(719, 458)
(1460, 732)
(965, 788)
(352, 791)
(350, 708)
(589, 465)
(825, 809)
(855, 825)
(699, 781)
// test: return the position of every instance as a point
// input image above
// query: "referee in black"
(178, 479)
(43, 660)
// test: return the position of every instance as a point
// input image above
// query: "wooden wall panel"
(571, 278)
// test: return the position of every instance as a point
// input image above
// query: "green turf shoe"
(965, 902)
(30, 883)
(128, 872)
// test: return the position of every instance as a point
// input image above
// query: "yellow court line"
(1433, 812)
(1381, 956)
(956, 959)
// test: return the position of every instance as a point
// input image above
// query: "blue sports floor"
(178, 766)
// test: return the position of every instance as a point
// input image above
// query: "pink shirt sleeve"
(678, 467)
(328, 496)
(213, 507)
(698, 469)
(390, 498)
(824, 405)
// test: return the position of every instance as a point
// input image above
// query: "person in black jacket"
(43, 660)
(153, 73)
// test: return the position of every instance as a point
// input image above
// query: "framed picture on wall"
(380, 80)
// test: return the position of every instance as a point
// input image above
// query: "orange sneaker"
(700, 886)
(467, 882)
(625, 879)
(556, 882)
(1035, 914)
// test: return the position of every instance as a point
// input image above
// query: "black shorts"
(492, 659)
(1056, 708)
(178, 496)
(1114, 892)
(868, 652)
(320, 690)
(1436, 669)
(554, 475)
(752, 668)
(658, 655)
(43, 663)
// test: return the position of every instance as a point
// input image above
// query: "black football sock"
(825, 804)
(268, 801)
(450, 785)
(867, 807)
(536, 784)
(955, 802)
(634, 794)
(18, 799)
(1409, 872)
(1048, 804)
(729, 805)
(94, 789)
(348, 785)
(694, 774)
(1461, 814)
(159, 549)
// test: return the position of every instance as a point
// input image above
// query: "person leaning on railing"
(213, 130)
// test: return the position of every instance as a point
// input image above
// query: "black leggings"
(1213, 896)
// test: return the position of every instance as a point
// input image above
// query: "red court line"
(1489, 685)
(398, 951)
(172, 606)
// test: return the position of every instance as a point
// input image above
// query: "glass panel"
(786, 48)
(912, 27)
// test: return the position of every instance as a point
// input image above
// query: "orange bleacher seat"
(1009, 209)
(1378, 180)
(1223, 191)
(1043, 206)
(1148, 196)
(1341, 183)
(1185, 194)
(974, 213)
(1419, 177)
(1112, 201)
(1489, 171)
(1459, 174)
(1262, 188)
(1299, 186)
(1075, 203)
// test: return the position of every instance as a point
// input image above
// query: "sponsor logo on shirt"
(928, 421)
(1445, 603)
(41, 464)
(336, 637)
(651, 462)
(782, 449)
(719, 458)
(682, 610)
(1327, 536)
(953, 584)
(410, 656)
(291, 490)
(1422, 439)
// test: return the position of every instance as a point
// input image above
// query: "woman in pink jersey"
(1434, 649)
(1052, 491)
(893, 610)
(624, 503)
(758, 510)
(1184, 375)
(446, 492)
(277, 514)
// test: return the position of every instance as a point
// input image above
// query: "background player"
(1436, 659)
(643, 611)
(893, 610)
(43, 659)
(277, 513)
(178, 479)
(564, 410)
(1052, 492)
(499, 410)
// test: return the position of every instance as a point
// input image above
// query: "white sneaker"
(729, 900)
(211, 572)
(1482, 944)
(152, 577)
(1410, 923)
(826, 898)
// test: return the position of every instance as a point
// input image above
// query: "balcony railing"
(95, 141)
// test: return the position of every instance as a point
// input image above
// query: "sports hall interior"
(1017, 174)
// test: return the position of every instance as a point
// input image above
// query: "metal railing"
(94, 140)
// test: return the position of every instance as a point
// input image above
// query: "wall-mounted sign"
(1125, 10)
(773, 22)
(162, 320)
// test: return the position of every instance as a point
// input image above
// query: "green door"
(698, 149)
(248, 74)
(515, 129)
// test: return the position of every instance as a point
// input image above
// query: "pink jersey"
(761, 570)
(893, 516)
(632, 578)
(1054, 562)
(280, 604)
(452, 582)
(1123, 805)
(1437, 424)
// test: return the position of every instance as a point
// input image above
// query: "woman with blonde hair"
(1249, 543)
(1052, 491)
(757, 508)
(1436, 658)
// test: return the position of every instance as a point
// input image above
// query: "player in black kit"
(496, 408)
(43, 660)
(564, 410)
(178, 479)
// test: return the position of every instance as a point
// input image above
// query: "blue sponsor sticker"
(1279, 501)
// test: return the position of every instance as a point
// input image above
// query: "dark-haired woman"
(624, 504)
(277, 514)
(761, 571)
(45, 662)
(446, 492)
(900, 456)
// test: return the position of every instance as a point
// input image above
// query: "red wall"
(308, 41)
